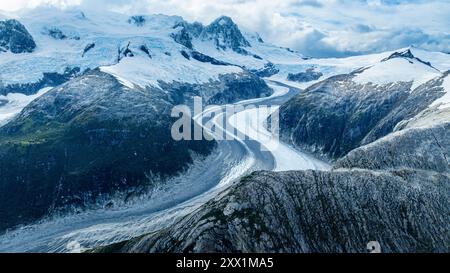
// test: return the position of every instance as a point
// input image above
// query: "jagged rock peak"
(223, 31)
(194, 29)
(407, 54)
(15, 37)
(183, 37)
(309, 75)
(137, 20)
(186, 32)
(226, 34)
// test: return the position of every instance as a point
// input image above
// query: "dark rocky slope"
(92, 137)
(14, 37)
(341, 211)
(229, 88)
(337, 115)
(425, 148)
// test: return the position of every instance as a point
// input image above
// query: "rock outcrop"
(311, 211)
(14, 37)
(223, 32)
(307, 76)
(268, 70)
(137, 20)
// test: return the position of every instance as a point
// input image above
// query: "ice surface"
(251, 122)
(15, 102)
(444, 101)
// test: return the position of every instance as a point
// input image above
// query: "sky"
(316, 28)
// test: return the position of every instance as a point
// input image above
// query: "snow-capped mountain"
(53, 46)
(157, 47)
(334, 66)
(85, 117)
(399, 67)
(367, 103)
(144, 50)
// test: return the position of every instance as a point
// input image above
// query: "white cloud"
(315, 27)
(9, 5)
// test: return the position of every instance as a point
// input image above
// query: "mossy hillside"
(83, 141)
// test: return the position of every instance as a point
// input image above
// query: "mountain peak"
(15, 37)
(408, 55)
(222, 31)
(400, 66)
(226, 34)
(223, 20)
(402, 54)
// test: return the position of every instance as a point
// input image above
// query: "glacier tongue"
(15, 102)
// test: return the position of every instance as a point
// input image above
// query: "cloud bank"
(317, 28)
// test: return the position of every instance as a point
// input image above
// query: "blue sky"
(318, 28)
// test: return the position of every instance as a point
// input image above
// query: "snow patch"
(444, 101)
(222, 22)
(439, 60)
(143, 71)
(397, 70)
